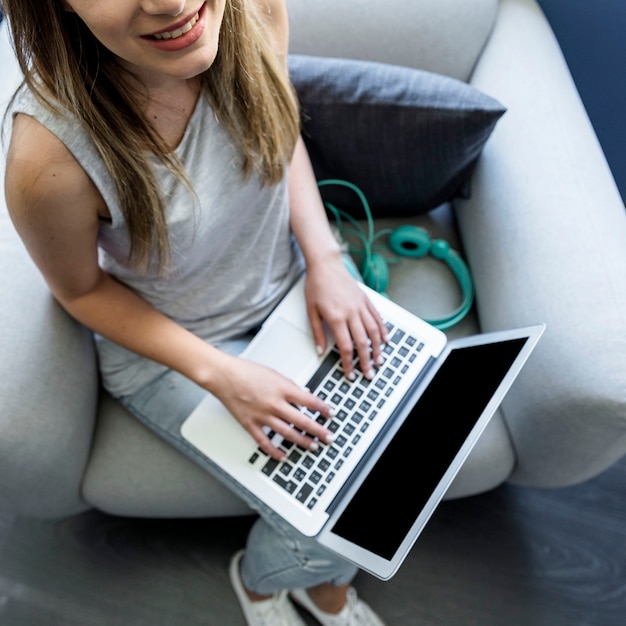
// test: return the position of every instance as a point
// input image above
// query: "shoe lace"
(357, 613)
(352, 610)
(276, 612)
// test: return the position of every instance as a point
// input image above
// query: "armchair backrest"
(443, 36)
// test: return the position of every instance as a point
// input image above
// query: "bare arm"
(332, 294)
(55, 208)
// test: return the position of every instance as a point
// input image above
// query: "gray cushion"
(407, 138)
(133, 472)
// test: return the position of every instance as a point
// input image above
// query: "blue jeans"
(277, 556)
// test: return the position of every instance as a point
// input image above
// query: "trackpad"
(283, 347)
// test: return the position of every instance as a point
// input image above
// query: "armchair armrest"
(545, 235)
(48, 391)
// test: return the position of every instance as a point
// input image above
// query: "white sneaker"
(355, 613)
(276, 611)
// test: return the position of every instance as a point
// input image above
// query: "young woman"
(157, 177)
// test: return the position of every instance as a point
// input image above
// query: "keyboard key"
(288, 485)
(270, 466)
(304, 493)
(357, 418)
(397, 336)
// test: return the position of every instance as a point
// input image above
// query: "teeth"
(173, 34)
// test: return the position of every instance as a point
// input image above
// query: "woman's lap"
(277, 556)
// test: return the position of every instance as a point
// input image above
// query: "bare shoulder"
(40, 169)
(54, 206)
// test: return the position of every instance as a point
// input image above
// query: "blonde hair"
(67, 68)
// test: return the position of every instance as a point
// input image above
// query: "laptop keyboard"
(306, 474)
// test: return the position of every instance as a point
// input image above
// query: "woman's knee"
(278, 557)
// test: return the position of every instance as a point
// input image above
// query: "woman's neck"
(168, 105)
(169, 110)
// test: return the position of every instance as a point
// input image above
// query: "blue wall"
(592, 34)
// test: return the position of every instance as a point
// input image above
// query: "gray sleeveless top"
(233, 253)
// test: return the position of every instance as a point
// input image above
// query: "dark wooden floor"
(512, 557)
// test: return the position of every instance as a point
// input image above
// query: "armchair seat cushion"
(132, 472)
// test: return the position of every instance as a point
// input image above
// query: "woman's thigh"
(163, 405)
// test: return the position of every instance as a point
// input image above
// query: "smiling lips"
(179, 36)
(179, 32)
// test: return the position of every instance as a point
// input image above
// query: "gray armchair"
(544, 233)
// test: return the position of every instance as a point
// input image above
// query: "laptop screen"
(420, 453)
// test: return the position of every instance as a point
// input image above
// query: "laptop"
(399, 439)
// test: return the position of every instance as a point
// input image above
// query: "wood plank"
(511, 557)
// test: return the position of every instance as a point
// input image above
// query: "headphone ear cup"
(410, 241)
(375, 272)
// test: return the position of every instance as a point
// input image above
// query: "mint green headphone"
(404, 241)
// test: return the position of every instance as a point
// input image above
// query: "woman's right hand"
(258, 396)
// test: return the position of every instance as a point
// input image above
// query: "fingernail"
(319, 350)
(313, 446)
(379, 359)
(370, 373)
(351, 376)
(330, 438)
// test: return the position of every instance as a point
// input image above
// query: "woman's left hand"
(333, 296)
